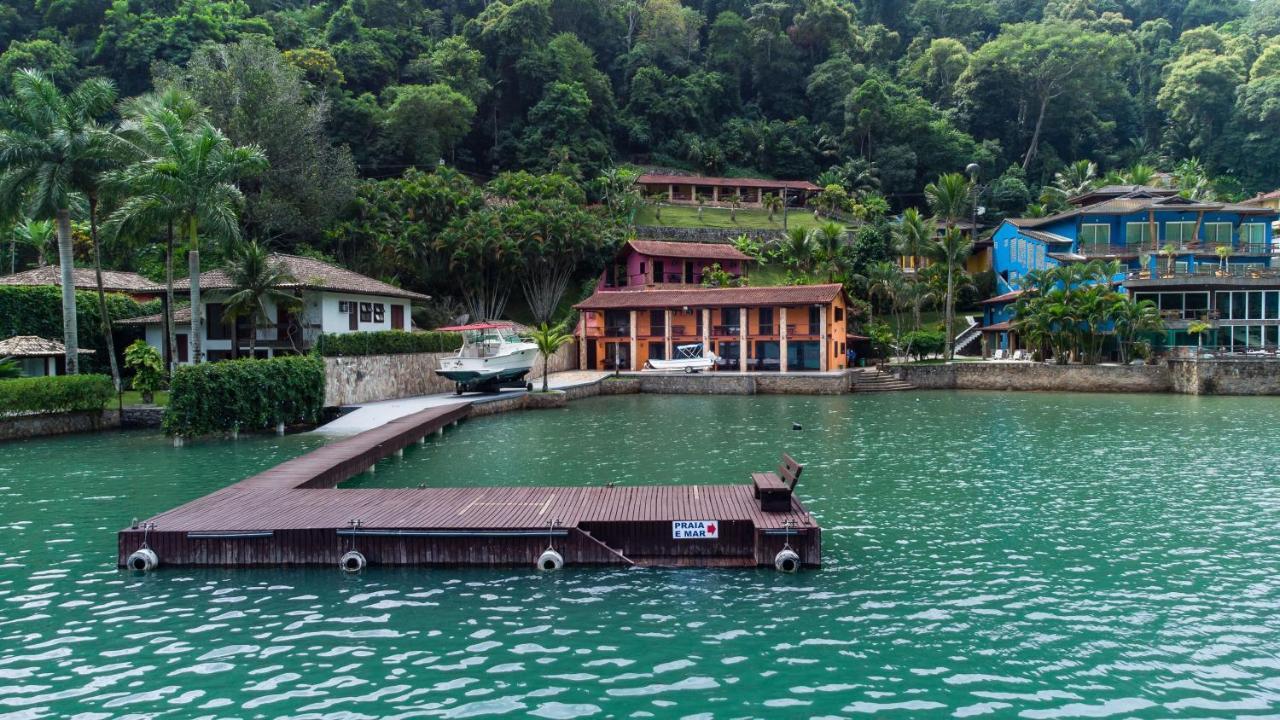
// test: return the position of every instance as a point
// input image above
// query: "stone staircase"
(875, 380)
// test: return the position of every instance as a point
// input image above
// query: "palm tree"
(51, 149)
(256, 280)
(948, 198)
(191, 177)
(798, 247)
(883, 278)
(830, 240)
(1132, 318)
(549, 340)
(951, 251)
(916, 295)
(1224, 252)
(1199, 328)
(34, 234)
(913, 235)
(1140, 174)
(146, 214)
(772, 203)
(1169, 250)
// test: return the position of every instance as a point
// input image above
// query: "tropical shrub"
(9, 369)
(147, 367)
(244, 395)
(387, 342)
(60, 393)
(922, 343)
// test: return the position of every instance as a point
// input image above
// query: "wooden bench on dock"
(774, 489)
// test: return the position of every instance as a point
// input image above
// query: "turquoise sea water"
(1020, 555)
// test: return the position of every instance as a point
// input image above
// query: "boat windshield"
(487, 342)
(688, 352)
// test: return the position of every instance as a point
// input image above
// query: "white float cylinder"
(352, 561)
(144, 560)
(550, 560)
(786, 560)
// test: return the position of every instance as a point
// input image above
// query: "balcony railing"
(657, 331)
(617, 331)
(726, 330)
(1206, 270)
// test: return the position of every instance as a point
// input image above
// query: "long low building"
(749, 191)
(781, 329)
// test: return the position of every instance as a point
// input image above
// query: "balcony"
(726, 330)
(617, 331)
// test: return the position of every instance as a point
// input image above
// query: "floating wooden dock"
(293, 514)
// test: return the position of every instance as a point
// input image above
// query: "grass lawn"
(748, 218)
(133, 397)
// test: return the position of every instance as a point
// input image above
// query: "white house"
(334, 300)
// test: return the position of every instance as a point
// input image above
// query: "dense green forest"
(346, 99)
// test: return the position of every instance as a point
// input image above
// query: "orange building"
(781, 329)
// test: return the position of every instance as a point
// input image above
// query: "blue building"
(1169, 249)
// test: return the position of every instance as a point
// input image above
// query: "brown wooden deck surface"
(504, 508)
(298, 499)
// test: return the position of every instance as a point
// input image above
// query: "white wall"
(318, 308)
(334, 321)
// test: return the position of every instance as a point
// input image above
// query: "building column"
(706, 330)
(715, 193)
(671, 192)
(666, 333)
(633, 340)
(743, 322)
(759, 196)
(582, 342)
(782, 339)
(825, 363)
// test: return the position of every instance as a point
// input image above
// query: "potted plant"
(1199, 328)
(1224, 252)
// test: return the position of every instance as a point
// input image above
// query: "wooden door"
(182, 347)
(353, 320)
(397, 317)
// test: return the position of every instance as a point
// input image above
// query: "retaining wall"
(1038, 377)
(1226, 376)
(705, 235)
(28, 426)
(368, 378)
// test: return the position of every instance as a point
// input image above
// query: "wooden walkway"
(293, 514)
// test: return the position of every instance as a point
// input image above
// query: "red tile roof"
(1006, 325)
(84, 279)
(654, 179)
(315, 274)
(1002, 298)
(708, 251)
(712, 297)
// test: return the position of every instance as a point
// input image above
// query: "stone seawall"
(368, 378)
(1225, 376)
(726, 384)
(29, 426)
(1038, 377)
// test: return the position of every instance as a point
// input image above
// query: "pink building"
(653, 264)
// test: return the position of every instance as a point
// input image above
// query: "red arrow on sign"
(711, 529)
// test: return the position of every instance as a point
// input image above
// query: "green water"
(1041, 556)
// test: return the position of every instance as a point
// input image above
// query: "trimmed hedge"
(60, 393)
(38, 311)
(387, 342)
(244, 395)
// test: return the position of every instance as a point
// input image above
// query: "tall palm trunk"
(170, 330)
(950, 310)
(66, 262)
(103, 314)
(193, 266)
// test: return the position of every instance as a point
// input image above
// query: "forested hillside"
(781, 87)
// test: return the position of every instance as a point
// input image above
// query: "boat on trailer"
(492, 356)
(689, 358)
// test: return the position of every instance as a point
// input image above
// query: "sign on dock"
(695, 530)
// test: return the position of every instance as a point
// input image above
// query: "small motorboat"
(492, 356)
(689, 358)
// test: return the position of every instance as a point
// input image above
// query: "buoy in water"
(786, 560)
(143, 560)
(352, 561)
(550, 560)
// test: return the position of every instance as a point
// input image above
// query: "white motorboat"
(689, 358)
(492, 356)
